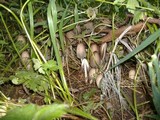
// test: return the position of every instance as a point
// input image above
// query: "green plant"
(139, 8)
(154, 73)
(143, 45)
(12, 111)
(44, 24)
(44, 77)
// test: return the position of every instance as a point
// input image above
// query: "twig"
(116, 43)
(135, 28)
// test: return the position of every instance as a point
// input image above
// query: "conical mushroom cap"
(81, 51)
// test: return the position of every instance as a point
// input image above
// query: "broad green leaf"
(37, 64)
(35, 112)
(15, 81)
(31, 80)
(131, 5)
(50, 112)
(21, 113)
(40, 70)
(51, 65)
(138, 15)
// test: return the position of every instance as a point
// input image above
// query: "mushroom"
(81, 54)
(21, 38)
(99, 79)
(95, 60)
(25, 56)
(70, 34)
(94, 48)
(85, 66)
(92, 74)
(25, 59)
(132, 74)
(103, 49)
(81, 51)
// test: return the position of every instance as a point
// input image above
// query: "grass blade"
(30, 13)
(52, 23)
(143, 45)
(154, 70)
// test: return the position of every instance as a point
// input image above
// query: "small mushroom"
(21, 38)
(85, 66)
(25, 59)
(81, 51)
(103, 49)
(95, 60)
(132, 74)
(92, 74)
(70, 34)
(25, 56)
(98, 80)
(94, 48)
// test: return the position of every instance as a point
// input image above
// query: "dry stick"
(116, 43)
(135, 28)
(119, 31)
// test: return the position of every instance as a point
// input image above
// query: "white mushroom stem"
(85, 66)
(103, 49)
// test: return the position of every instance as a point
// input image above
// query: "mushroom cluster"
(96, 61)
(92, 55)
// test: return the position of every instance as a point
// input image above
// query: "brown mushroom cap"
(21, 39)
(81, 51)
(92, 73)
(94, 47)
(95, 60)
(98, 80)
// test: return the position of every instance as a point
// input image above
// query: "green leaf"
(156, 98)
(35, 112)
(21, 113)
(31, 80)
(119, 1)
(157, 69)
(138, 15)
(40, 70)
(50, 112)
(3, 42)
(51, 65)
(37, 64)
(15, 81)
(131, 5)
(154, 73)
(156, 117)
